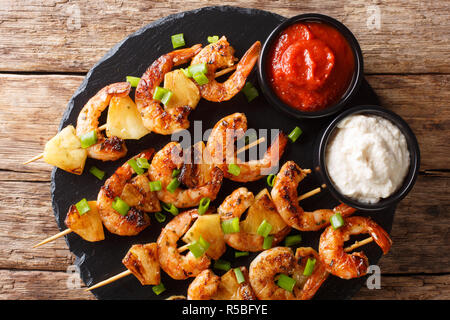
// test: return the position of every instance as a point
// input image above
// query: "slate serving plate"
(101, 260)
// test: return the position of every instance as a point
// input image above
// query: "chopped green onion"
(264, 229)
(200, 78)
(213, 39)
(178, 40)
(230, 226)
(88, 139)
(293, 136)
(238, 254)
(155, 185)
(198, 247)
(186, 72)
(82, 206)
(159, 288)
(196, 68)
(97, 172)
(203, 205)
(285, 282)
(234, 169)
(336, 221)
(250, 91)
(160, 217)
(293, 240)
(175, 173)
(134, 81)
(120, 206)
(170, 208)
(134, 165)
(222, 265)
(162, 95)
(271, 179)
(267, 244)
(173, 185)
(142, 163)
(239, 276)
(309, 268)
(166, 98)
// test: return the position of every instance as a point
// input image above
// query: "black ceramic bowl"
(413, 148)
(352, 88)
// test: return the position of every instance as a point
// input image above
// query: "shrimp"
(170, 158)
(112, 148)
(281, 260)
(134, 191)
(179, 267)
(220, 55)
(154, 116)
(331, 247)
(208, 286)
(234, 206)
(220, 149)
(284, 195)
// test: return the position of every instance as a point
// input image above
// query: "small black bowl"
(414, 154)
(351, 90)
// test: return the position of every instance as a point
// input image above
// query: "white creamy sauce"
(367, 158)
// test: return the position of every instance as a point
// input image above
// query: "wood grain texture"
(70, 36)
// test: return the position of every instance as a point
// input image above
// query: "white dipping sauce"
(367, 158)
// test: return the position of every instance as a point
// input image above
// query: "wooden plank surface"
(70, 36)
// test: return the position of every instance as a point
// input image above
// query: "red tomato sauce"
(310, 66)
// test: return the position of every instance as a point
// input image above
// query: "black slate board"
(99, 261)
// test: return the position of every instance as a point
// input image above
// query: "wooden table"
(48, 46)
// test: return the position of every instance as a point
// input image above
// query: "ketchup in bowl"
(310, 66)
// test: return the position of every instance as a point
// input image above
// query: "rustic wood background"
(47, 47)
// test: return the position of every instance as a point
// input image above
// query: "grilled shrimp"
(284, 195)
(281, 260)
(134, 191)
(234, 206)
(170, 158)
(221, 55)
(345, 265)
(220, 149)
(204, 287)
(112, 148)
(179, 267)
(154, 116)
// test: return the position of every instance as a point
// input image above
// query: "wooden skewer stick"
(358, 244)
(56, 236)
(108, 281)
(251, 145)
(224, 71)
(309, 194)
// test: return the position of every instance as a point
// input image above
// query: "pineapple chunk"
(137, 194)
(124, 120)
(89, 225)
(208, 226)
(262, 209)
(185, 92)
(142, 261)
(65, 152)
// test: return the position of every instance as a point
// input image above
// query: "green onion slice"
(166, 98)
(271, 179)
(336, 221)
(213, 39)
(198, 247)
(134, 165)
(293, 136)
(230, 226)
(250, 91)
(142, 163)
(173, 185)
(186, 72)
(200, 78)
(222, 265)
(267, 244)
(234, 169)
(169, 207)
(134, 81)
(309, 268)
(175, 173)
(159, 289)
(120, 206)
(178, 40)
(239, 276)
(238, 254)
(160, 217)
(97, 172)
(155, 185)
(203, 205)
(293, 240)
(162, 95)
(198, 68)
(88, 139)
(285, 282)
(264, 228)
(82, 206)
